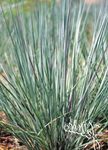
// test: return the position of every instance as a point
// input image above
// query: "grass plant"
(56, 73)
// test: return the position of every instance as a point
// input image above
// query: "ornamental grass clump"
(55, 75)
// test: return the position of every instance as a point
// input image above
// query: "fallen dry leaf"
(100, 144)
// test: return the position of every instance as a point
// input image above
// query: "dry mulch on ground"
(7, 141)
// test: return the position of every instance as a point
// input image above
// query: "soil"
(8, 141)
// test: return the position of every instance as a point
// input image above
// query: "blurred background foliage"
(23, 5)
(26, 6)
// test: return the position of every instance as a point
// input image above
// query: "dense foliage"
(56, 73)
